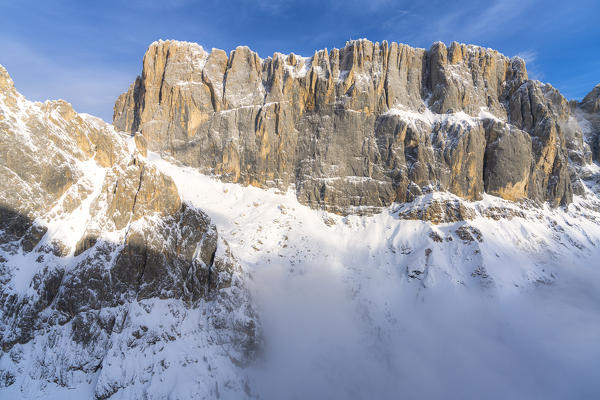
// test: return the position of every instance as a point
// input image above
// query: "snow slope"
(380, 306)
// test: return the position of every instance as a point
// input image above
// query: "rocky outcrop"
(589, 111)
(508, 158)
(357, 128)
(101, 262)
(591, 102)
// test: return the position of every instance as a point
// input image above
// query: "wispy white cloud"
(529, 56)
(492, 19)
(462, 21)
(39, 77)
(359, 6)
(533, 69)
(368, 6)
(395, 18)
(158, 4)
(273, 7)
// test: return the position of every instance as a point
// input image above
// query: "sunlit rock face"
(357, 128)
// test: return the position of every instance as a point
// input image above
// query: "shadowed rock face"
(90, 313)
(360, 127)
(589, 108)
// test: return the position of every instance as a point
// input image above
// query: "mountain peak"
(591, 102)
(6, 82)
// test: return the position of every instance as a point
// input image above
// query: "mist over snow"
(342, 317)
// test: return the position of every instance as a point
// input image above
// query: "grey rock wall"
(357, 128)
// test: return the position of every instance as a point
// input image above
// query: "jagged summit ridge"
(352, 128)
(342, 65)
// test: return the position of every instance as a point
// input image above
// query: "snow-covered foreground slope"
(381, 307)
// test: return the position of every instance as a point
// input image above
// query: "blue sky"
(89, 52)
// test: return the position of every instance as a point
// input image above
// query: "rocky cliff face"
(102, 264)
(357, 128)
(589, 113)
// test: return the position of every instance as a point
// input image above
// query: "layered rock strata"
(358, 128)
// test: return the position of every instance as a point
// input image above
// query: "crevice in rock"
(210, 267)
(138, 190)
